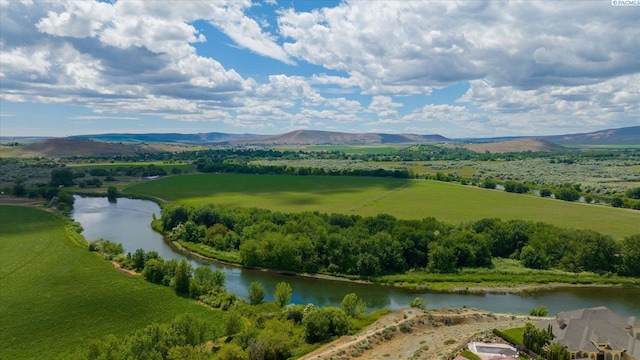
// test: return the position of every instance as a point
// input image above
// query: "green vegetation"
(56, 295)
(514, 335)
(469, 355)
(539, 311)
(371, 196)
(410, 253)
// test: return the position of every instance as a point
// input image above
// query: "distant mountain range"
(627, 135)
(126, 144)
(202, 138)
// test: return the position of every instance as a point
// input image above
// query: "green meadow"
(115, 165)
(406, 199)
(56, 296)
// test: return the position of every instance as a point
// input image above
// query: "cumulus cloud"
(383, 106)
(528, 64)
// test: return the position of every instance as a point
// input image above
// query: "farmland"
(56, 295)
(405, 199)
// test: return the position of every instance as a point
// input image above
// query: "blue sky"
(455, 68)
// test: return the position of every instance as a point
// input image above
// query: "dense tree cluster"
(254, 331)
(535, 339)
(181, 339)
(370, 246)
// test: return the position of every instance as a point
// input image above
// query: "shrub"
(539, 311)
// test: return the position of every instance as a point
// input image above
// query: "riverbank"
(506, 283)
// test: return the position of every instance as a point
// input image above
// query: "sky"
(455, 68)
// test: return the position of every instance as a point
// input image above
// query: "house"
(596, 334)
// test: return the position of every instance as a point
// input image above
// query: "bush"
(567, 193)
(539, 311)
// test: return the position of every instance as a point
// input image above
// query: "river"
(127, 221)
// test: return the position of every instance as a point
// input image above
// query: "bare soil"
(433, 334)
(10, 200)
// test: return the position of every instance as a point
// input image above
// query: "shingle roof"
(583, 329)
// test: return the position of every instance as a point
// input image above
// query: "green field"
(406, 199)
(115, 165)
(56, 296)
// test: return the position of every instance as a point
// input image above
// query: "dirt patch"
(123, 270)
(10, 200)
(518, 145)
(418, 334)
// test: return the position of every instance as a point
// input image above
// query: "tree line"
(371, 246)
(254, 330)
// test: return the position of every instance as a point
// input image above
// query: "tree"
(534, 338)
(61, 177)
(488, 184)
(205, 280)
(187, 352)
(323, 323)
(630, 254)
(192, 330)
(19, 190)
(231, 352)
(633, 193)
(138, 259)
(182, 277)
(233, 323)
(556, 351)
(172, 216)
(418, 303)
(567, 193)
(154, 271)
(283, 293)
(617, 202)
(533, 258)
(352, 305)
(539, 311)
(256, 293)
(112, 193)
(442, 259)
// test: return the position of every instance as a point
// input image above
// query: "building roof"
(585, 329)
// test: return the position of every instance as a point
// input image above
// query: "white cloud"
(383, 106)
(99, 117)
(531, 65)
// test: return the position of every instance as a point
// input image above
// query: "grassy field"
(109, 166)
(56, 296)
(407, 199)
(505, 273)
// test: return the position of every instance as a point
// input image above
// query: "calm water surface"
(128, 222)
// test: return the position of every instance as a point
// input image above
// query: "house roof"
(584, 329)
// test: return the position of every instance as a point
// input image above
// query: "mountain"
(200, 138)
(65, 147)
(316, 137)
(516, 145)
(626, 135)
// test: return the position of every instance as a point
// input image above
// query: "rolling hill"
(200, 138)
(128, 144)
(517, 145)
(65, 147)
(315, 137)
(626, 135)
